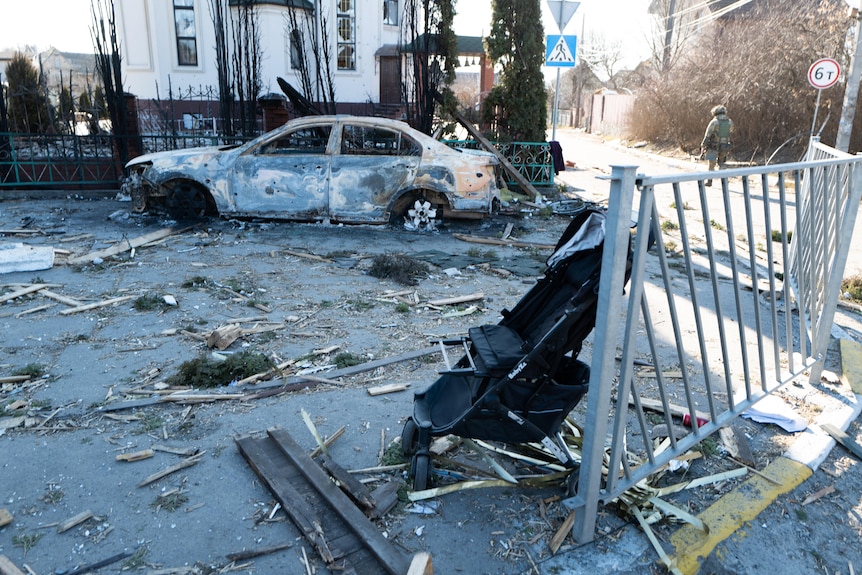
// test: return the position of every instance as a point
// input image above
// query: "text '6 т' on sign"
(824, 73)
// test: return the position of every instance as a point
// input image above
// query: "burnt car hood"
(198, 156)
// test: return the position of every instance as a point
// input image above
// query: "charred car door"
(372, 164)
(286, 175)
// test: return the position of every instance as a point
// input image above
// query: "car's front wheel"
(186, 200)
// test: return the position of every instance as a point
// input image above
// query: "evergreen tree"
(516, 107)
(28, 112)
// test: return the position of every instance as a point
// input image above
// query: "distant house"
(62, 69)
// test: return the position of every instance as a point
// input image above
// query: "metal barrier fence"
(735, 300)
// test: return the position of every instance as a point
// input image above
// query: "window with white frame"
(187, 42)
(346, 35)
(390, 12)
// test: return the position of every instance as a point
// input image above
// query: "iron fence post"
(603, 362)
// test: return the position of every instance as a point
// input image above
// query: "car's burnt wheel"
(186, 201)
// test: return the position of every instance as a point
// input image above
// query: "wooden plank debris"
(319, 508)
(303, 255)
(91, 568)
(843, 439)
(127, 245)
(8, 568)
(457, 299)
(96, 305)
(135, 455)
(737, 444)
(21, 292)
(267, 461)
(75, 520)
(514, 172)
(71, 302)
(828, 490)
(36, 309)
(388, 388)
(283, 385)
(354, 489)
(499, 242)
(385, 499)
(5, 517)
(252, 553)
(221, 337)
(421, 564)
(193, 460)
(562, 532)
(184, 451)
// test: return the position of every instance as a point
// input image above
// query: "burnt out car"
(350, 169)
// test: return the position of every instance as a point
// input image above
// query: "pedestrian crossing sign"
(560, 51)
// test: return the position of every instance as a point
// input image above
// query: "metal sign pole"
(556, 107)
(567, 8)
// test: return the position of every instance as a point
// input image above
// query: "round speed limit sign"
(824, 73)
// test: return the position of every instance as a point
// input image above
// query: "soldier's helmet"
(718, 110)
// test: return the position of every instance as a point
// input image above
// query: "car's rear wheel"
(186, 200)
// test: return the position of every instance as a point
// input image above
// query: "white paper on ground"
(772, 409)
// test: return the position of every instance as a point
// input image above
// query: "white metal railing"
(708, 303)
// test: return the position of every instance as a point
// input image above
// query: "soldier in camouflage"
(716, 140)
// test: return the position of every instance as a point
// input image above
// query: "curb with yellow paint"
(734, 509)
(745, 502)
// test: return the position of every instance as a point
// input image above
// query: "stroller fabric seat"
(498, 347)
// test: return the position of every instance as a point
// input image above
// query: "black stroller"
(519, 379)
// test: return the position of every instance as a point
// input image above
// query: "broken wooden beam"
(193, 460)
(516, 174)
(499, 242)
(387, 388)
(843, 439)
(9, 568)
(456, 299)
(22, 292)
(73, 521)
(252, 553)
(135, 455)
(127, 245)
(421, 564)
(96, 305)
(381, 547)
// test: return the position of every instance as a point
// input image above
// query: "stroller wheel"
(421, 471)
(409, 438)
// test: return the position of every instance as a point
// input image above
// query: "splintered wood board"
(340, 533)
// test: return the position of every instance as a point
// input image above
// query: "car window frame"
(367, 147)
(262, 148)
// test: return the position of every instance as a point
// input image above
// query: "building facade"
(172, 43)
